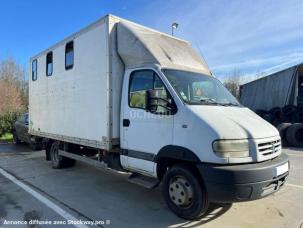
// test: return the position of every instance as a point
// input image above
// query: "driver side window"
(140, 82)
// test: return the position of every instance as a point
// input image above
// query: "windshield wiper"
(209, 101)
(229, 104)
(214, 102)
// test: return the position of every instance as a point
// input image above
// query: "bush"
(7, 121)
(7, 137)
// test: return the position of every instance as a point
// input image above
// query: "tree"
(13, 94)
(10, 98)
(232, 83)
(13, 87)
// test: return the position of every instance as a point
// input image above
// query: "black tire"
(275, 115)
(294, 135)
(48, 145)
(16, 140)
(59, 162)
(289, 110)
(276, 111)
(299, 116)
(182, 181)
(289, 113)
(261, 112)
(267, 118)
(282, 128)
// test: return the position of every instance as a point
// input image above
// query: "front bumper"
(243, 182)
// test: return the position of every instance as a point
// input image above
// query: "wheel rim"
(181, 191)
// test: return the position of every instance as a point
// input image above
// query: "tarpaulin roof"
(275, 90)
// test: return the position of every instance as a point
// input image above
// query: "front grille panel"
(269, 148)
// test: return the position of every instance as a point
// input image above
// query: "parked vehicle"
(20, 133)
(123, 96)
(278, 98)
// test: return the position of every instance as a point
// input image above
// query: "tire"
(299, 116)
(261, 112)
(289, 112)
(48, 145)
(184, 192)
(282, 128)
(267, 118)
(289, 109)
(275, 115)
(276, 111)
(59, 162)
(294, 135)
(16, 140)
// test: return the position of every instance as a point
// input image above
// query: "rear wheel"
(16, 140)
(184, 192)
(59, 161)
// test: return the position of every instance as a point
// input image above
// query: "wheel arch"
(171, 155)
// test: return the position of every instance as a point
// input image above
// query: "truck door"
(144, 133)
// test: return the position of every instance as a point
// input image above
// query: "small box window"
(69, 55)
(34, 70)
(49, 64)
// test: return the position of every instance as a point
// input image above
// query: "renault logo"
(273, 147)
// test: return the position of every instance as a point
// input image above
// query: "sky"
(244, 36)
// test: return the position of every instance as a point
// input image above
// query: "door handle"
(126, 122)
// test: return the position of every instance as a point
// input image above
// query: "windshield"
(196, 88)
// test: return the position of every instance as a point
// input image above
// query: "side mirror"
(153, 101)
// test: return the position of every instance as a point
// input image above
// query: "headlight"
(231, 148)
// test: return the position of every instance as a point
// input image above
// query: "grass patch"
(6, 137)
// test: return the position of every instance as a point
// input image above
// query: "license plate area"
(282, 169)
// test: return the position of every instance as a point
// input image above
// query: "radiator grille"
(268, 148)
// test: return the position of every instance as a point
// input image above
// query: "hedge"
(7, 121)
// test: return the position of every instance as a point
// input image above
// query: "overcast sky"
(247, 36)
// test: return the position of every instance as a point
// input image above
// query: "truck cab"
(182, 121)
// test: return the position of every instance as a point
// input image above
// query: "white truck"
(123, 96)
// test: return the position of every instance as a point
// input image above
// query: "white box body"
(80, 105)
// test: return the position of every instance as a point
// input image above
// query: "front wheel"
(184, 192)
